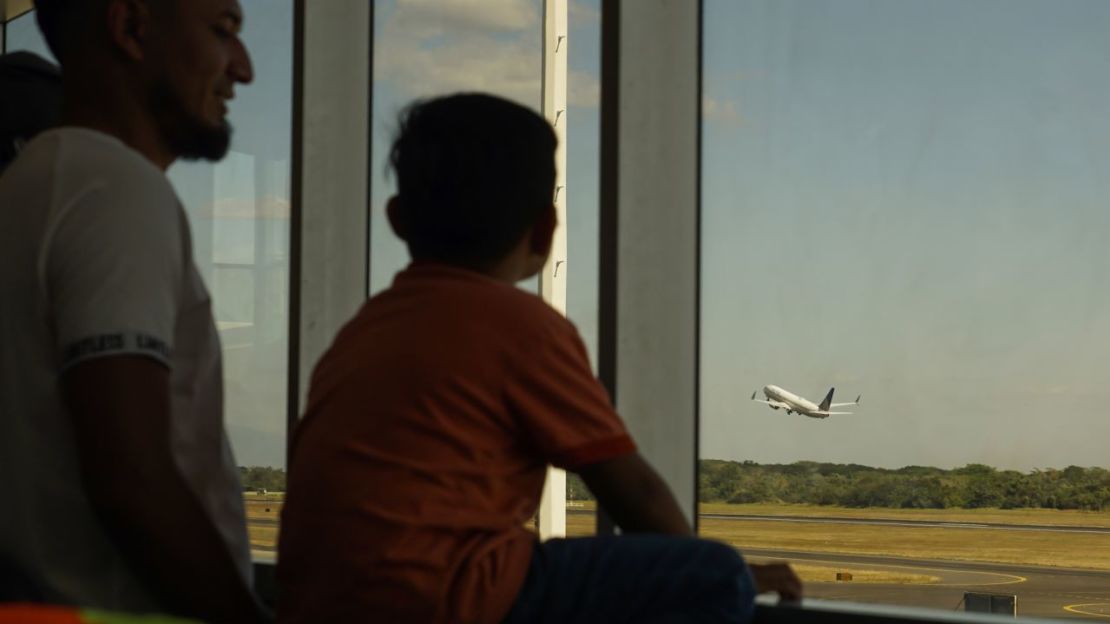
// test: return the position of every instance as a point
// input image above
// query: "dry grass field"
(824, 574)
(995, 516)
(267, 508)
(1042, 548)
(1070, 550)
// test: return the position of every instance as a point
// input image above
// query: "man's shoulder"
(94, 172)
(74, 160)
(96, 156)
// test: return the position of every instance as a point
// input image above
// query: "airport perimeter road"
(1042, 592)
(1054, 528)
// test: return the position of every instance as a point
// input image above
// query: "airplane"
(778, 398)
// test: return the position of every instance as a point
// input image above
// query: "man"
(433, 415)
(121, 490)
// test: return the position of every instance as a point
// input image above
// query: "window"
(423, 49)
(239, 213)
(583, 139)
(905, 201)
(23, 34)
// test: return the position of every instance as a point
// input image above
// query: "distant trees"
(259, 478)
(912, 487)
(576, 488)
(852, 485)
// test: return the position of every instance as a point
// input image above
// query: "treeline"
(852, 485)
(913, 487)
(259, 478)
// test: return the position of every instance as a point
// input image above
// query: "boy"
(431, 419)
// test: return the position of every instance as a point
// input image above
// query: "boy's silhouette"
(430, 421)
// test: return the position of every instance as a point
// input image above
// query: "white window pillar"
(553, 277)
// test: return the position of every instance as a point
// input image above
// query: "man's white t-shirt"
(96, 260)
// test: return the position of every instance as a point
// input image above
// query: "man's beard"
(202, 142)
(184, 134)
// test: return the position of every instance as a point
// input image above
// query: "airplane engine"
(775, 407)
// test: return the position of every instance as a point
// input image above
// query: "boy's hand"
(777, 577)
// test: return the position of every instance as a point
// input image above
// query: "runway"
(1058, 593)
(1041, 592)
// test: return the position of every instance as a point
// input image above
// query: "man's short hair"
(60, 21)
(474, 173)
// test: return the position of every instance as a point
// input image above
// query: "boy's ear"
(396, 223)
(544, 232)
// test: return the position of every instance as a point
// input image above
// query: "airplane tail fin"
(828, 400)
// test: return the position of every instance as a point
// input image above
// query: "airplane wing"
(856, 402)
(832, 413)
(774, 404)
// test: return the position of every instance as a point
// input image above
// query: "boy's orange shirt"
(422, 452)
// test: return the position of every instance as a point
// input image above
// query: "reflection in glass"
(239, 213)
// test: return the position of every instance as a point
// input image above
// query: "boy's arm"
(640, 502)
(636, 497)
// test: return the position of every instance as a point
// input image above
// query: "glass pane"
(905, 200)
(583, 147)
(422, 49)
(239, 213)
(23, 34)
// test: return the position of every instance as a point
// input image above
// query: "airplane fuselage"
(779, 399)
(791, 402)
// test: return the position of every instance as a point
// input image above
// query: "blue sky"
(901, 199)
(908, 202)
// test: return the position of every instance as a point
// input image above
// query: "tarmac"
(1058, 593)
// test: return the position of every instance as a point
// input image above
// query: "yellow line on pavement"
(1077, 608)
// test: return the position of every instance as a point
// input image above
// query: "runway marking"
(1077, 608)
(1013, 578)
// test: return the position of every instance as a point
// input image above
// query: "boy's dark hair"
(474, 172)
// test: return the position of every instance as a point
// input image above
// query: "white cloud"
(721, 111)
(438, 17)
(432, 47)
(268, 207)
